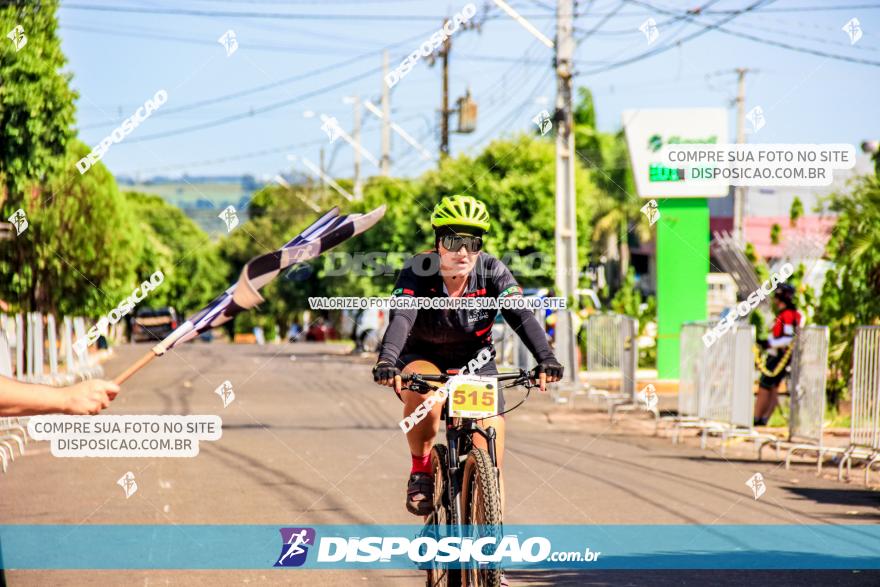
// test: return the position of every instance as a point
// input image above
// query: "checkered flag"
(324, 234)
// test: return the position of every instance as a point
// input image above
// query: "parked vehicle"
(321, 331)
(153, 324)
(370, 328)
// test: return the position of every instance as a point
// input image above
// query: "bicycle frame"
(456, 436)
(459, 437)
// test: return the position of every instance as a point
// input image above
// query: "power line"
(266, 15)
(261, 110)
(264, 87)
(755, 38)
(678, 43)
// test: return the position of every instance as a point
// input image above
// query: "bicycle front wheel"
(481, 502)
(440, 575)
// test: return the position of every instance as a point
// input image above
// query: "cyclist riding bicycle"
(421, 339)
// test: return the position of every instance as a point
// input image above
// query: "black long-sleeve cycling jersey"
(453, 337)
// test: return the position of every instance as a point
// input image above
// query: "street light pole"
(566, 227)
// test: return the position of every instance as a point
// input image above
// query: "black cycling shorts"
(771, 364)
(489, 369)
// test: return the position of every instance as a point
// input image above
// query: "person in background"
(779, 350)
(82, 399)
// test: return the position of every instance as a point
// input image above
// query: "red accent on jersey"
(483, 331)
(787, 317)
(408, 292)
(473, 294)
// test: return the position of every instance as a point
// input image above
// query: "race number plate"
(472, 396)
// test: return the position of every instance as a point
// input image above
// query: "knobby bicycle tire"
(481, 502)
(439, 575)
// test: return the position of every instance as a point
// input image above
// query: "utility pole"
(445, 111)
(356, 135)
(739, 192)
(566, 227)
(385, 167)
(444, 102)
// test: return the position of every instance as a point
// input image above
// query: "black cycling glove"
(385, 370)
(551, 367)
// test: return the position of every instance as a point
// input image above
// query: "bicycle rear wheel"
(439, 575)
(481, 501)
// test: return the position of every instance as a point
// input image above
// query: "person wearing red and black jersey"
(785, 326)
(422, 340)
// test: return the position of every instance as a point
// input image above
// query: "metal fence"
(864, 420)
(611, 352)
(603, 343)
(690, 368)
(716, 384)
(806, 389)
(510, 351)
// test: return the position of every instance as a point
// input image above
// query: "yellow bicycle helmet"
(460, 210)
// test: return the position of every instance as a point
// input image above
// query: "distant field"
(202, 202)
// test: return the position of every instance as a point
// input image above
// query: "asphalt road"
(310, 440)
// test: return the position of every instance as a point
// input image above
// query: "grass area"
(782, 415)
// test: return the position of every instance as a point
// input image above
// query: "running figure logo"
(229, 216)
(294, 549)
(19, 220)
(229, 42)
(19, 39)
(756, 482)
(128, 484)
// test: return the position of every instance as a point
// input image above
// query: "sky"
(247, 112)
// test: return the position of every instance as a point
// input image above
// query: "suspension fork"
(453, 482)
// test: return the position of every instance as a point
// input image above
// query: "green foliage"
(775, 230)
(194, 273)
(83, 247)
(617, 214)
(516, 180)
(629, 301)
(796, 211)
(36, 101)
(851, 293)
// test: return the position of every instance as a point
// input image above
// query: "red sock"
(421, 464)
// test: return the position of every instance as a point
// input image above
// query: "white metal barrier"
(86, 365)
(611, 351)
(690, 369)
(19, 348)
(806, 389)
(716, 388)
(5, 351)
(864, 433)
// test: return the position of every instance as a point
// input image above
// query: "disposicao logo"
(294, 547)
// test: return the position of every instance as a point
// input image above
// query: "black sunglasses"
(454, 242)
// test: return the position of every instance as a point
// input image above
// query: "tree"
(36, 101)
(194, 272)
(83, 247)
(516, 179)
(618, 210)
(851, 292)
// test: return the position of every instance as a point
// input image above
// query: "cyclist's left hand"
(548, 371)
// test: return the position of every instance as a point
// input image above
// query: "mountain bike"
(466, 478)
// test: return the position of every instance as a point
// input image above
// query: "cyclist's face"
(456, 263)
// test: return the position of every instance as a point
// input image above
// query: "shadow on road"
(853, 497)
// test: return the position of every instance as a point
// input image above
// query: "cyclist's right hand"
(386, 373)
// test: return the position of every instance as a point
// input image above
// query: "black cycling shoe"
(760, 422)
(420, 494)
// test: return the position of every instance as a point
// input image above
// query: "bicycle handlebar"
(522, 377)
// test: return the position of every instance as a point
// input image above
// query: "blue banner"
(410, 547)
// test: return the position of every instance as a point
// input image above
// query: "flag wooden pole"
(142, 362)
